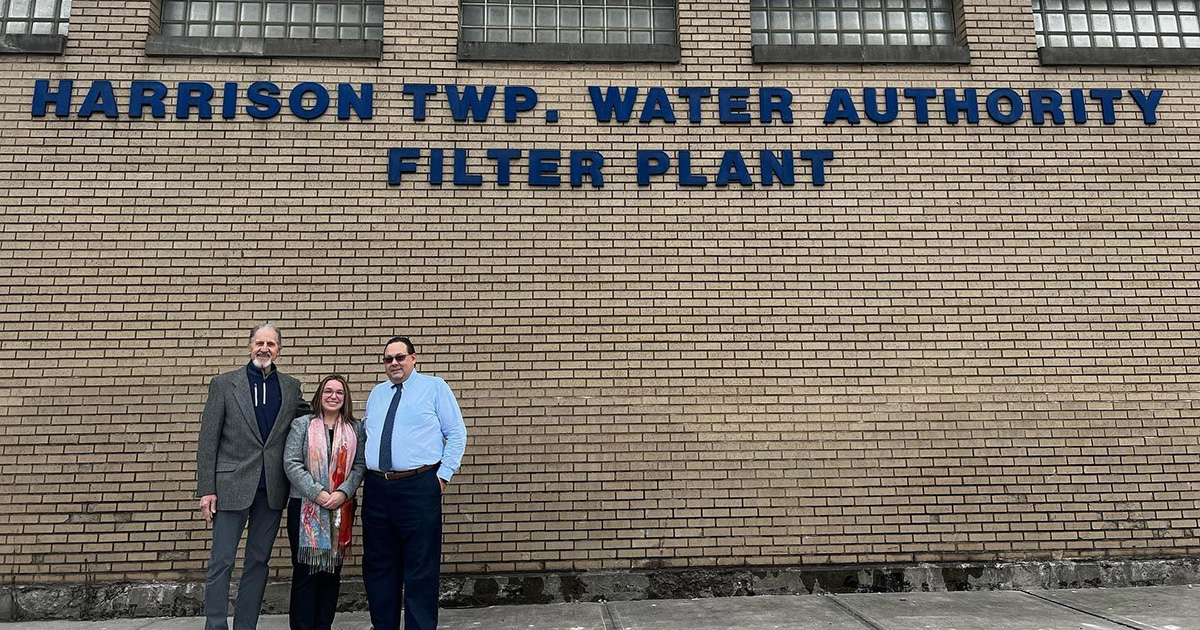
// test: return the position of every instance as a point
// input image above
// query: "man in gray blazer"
(239, 474)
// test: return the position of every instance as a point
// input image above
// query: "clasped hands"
(331, 500)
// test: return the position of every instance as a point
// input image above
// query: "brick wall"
(975, 342)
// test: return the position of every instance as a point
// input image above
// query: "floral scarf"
(325, 534)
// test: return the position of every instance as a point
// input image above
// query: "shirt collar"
(254, 372)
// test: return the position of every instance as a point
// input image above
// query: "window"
(34, 17)
(34, 26)
(855, 31)
(1117, 23)
(347, 29)
(302, 19)
(1117, 32)
(852, 22)
(569, 21)
(568, 30)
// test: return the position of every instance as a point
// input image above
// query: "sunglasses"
(387, 358)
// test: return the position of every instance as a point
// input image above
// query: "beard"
(261, 362)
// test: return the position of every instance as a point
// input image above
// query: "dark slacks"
(402, 550)
(227, 532)
(314, 595)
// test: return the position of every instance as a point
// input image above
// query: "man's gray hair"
(278, 335)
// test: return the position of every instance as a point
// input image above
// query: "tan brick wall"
(975, 342)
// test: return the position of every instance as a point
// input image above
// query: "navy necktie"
(389, 423)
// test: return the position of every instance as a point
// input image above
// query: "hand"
(322, 499)
(208, 507)
(336, 499)
(443, 482)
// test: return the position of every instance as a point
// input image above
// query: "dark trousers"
(314, 595)
(402, 549)
(227, 532)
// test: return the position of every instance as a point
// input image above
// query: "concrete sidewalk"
(1147, 608)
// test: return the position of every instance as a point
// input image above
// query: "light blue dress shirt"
(428, 427)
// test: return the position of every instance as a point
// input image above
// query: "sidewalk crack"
(854, 612)
(609, 616)
(1120, 621)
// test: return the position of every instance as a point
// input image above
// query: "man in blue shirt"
(415, 443)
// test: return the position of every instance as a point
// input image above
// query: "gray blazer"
(231, 452)
(304, 486)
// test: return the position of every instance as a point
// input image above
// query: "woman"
(325, 462)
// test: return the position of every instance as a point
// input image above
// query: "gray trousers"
(227, 533)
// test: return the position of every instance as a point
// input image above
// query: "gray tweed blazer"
(231, 453)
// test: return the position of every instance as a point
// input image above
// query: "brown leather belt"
(404, 474)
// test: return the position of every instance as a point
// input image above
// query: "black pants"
(314, 595)
(402, 550)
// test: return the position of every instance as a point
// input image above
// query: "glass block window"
(852, 22)
(569, 21)
(331, 19)
(1117, 23)
(34, 17)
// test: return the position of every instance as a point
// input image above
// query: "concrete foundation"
(106, 601)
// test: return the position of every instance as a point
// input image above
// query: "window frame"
(159, 45)
(948, 54)
(568, 52)
(36, 43)
(26, 44)
(1128, 56)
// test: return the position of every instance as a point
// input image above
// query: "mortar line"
(1120, 621)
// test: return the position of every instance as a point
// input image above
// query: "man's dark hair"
(405, 340)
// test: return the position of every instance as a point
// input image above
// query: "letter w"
(612, 102)
(469, 101)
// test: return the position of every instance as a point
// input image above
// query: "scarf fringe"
(319, 560)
